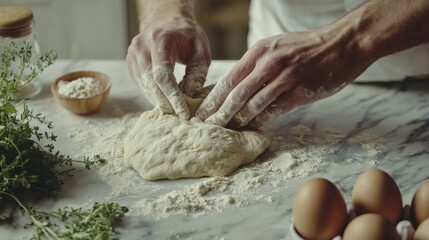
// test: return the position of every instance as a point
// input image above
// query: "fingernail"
(211, 119)
(201, 114)
(216, 119)
(238, 121)
(184, 115)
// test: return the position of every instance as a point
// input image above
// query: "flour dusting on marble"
(297, 151)
(370, 143)
(194, 198)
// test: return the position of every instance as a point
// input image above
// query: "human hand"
(280, 73)
(153, 53)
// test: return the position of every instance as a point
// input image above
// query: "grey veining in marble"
(396, 111)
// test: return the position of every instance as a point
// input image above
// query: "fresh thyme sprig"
(74, 223)
(18, 68)
(29, 163)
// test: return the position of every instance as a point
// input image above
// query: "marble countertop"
(395, 112)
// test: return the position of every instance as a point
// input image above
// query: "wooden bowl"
(82, 105)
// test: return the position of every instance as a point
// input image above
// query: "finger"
(227, 83)
(196, 71)
(141, 68)
(150, 88)
(238, 98)
(134, 70)
(260, 101)
(193, 81)
(133, 64)
(163, 61)
(283, 104)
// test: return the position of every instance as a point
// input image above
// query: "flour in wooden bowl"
(82, 87)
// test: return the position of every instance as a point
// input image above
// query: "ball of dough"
(165, 146)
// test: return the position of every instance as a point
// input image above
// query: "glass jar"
(16, 25)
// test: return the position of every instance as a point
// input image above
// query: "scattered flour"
(369, 142)
(80, 88)
(296, 152)
(194, 198)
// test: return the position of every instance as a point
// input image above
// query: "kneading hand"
(153, 53)
(278, 74)
(292, 69)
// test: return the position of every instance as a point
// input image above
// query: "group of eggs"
(319, 210)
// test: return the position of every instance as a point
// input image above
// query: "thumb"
(194, 79)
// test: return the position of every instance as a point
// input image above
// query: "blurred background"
(102, 29)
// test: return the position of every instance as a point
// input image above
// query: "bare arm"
(382, 27)
(168, 35)
(282, 72)
(151, 11)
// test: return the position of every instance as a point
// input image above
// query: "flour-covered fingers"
(163, 61)
(215, 98)
(138, 77)
(166, 82)
(226, 84)
(133, 68)
(260, 101)
(237, 98)
(196, 70)
(151, 90)
(283, 104)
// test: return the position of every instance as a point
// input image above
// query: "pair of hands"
(152, 55)
(274, 76)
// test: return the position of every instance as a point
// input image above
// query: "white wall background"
(79, 29)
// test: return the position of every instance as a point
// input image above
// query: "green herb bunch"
(29, 163)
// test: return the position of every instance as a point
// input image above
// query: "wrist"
(163, 12)
(378, 28)
(352, 44)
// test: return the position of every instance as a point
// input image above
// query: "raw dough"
(165, 146)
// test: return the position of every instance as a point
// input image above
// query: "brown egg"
(420, 204)
(422, 232)
(370, 226)
(375, 191)
(319, 210)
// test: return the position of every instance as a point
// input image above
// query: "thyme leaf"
(29, 162)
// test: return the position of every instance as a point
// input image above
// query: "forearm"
(381, 27)
(152, 11)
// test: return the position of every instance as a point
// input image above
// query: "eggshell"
(420, 204)
(422, 232)
(370, 226)
(375, 191)
(319, 210)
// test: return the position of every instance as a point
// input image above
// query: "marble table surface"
(396, 112)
